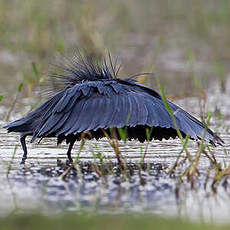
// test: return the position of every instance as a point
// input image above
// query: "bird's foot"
(69, 161)
(23, 161)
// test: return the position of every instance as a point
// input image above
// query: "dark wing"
(114, 103)
(186, 123)
(31, 121)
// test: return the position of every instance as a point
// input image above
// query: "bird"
(93, 100)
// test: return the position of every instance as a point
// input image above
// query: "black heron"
(94, 100)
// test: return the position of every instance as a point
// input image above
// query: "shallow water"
(37, 185)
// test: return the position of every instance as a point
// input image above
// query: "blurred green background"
(185, 43)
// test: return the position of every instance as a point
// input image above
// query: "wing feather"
(53, 120)
(65, 100)
(85, 117)
(157, 113)
(96, 121)
(133, 111)
(33, 119)
(110, 113)
(73, 117)
(189, 124)
(142, 112)
(106, 104)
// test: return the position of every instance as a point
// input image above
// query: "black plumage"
(94, 98)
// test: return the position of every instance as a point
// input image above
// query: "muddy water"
(37, 185)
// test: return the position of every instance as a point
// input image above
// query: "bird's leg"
(23, 143)
(69, 151)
